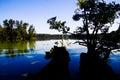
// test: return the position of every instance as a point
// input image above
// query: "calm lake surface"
(19, 59)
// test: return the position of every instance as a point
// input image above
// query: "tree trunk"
(62, 40)
(91, 49)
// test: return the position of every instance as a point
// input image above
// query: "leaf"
(76, 17)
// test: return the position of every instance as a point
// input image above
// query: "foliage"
(58, 25)
(31, 32)
(98, 17)
(16, 30)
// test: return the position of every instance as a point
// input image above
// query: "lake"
(20, 58)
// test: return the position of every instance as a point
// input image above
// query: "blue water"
(17, 67)
(114, 62)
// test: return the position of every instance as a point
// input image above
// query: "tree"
(19, 30)
(98, 17)
(11, 29)
(8, 24)
(24, 31)
(58, 25)
(31, 32)
(1, 30)
(15, 30)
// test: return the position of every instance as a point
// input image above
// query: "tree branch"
(81, 43)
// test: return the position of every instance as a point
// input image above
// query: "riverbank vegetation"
(14, 30)
(58, 36)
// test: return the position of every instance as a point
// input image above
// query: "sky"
(37, 12)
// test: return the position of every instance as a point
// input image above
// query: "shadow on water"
(56, 69)
(93, 68)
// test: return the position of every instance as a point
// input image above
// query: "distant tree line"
(14, 30)
(59, 36)
(112, 36)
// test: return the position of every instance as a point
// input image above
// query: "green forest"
(14, 30)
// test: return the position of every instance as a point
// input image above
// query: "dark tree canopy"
(58, 25)
(97, 17)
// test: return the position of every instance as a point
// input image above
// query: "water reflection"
(16, 48)
(56, 69)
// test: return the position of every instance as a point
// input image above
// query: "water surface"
(20, 58)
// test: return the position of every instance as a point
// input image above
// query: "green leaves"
(15, 30)
(86, 4)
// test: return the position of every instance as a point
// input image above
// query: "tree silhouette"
(58, 25)
(98, 17)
